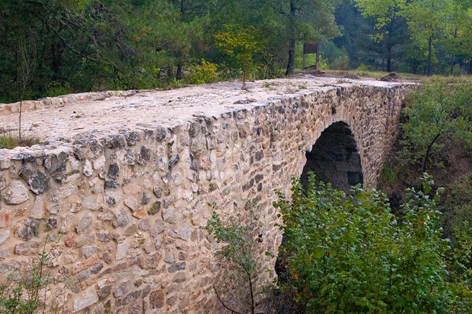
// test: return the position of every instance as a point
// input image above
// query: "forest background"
(53, 47)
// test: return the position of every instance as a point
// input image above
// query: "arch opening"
(335, 158)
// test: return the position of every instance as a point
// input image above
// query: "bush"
(349, 254)
(204, 73)
(23, 296)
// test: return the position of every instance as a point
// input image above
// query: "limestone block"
(16, 193)
(85, 300)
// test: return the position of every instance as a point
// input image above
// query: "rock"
(88, 251)
(16, 193)
(131, 297)
(91, 203)
(176, 266)
(131, 230)
(104, 292)
(121, 251)
(132, 203)
(122, 218)
(160, 134)
(122, 289)
(158, 228)
(4, 236)
(26, 229)
(146, 198)
(156, 299)
(51, 223)
(88, 171)
(85, 224)
(27, 248)
(113, 170)
(38, 182)
(39, 208)
(99, 163)
(155, 208)
(149, 261)
(173, 161)
(103, 237)
(112, 199)
(140, 213)
(144, 224)
(185, 232)
(85, 300)
(96, 268)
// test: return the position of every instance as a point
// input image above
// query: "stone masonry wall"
(120, 215)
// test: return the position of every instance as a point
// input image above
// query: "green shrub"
(349, 254)
(24, 296)
(204, 73)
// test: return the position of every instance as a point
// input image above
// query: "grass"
(9, 141)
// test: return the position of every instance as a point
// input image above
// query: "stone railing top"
(61, 119)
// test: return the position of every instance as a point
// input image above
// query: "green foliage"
(349, 254)
(237, 252)
(239, 43)
(203, 73)
(437, 113)
(23, 296)
(9, 141)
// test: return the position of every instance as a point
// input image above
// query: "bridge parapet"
(118, 194)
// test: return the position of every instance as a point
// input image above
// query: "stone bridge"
(119, 191)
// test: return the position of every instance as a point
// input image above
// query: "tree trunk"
(452, 64)
(180, 73)
(291, 58)
(430, 48)
(291, 48)
(317, 57)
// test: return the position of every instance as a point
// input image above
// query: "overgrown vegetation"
(26, 294)
(9, 141)
(237, 287)
(347, 253)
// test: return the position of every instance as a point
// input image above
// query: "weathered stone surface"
(158, 228)
(16, 193)
(122, 289)
(132, 203)
(39, 183)
(85, 224)
(121, 251)
(39, 208)
(85, 300)
(27, 248)
(91, 203)
(112, 199)
(185, 232)
(156, 299)
(88, 171)
(4, 235)
(149, 261)
(122, 218)
(88, 251)
(26, 229)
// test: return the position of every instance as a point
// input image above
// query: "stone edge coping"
(68, 145)
(43, 103)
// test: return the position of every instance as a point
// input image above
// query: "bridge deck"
(147, 109)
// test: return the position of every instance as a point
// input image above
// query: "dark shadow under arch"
(335, 158)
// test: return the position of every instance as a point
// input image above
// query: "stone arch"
(335, 158)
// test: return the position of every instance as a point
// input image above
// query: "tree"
(426, 19)
(306, 20)
(239, 43)
(237, 253)
(437, 113)
(458, 30)
(349, 254)
(388, 22)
